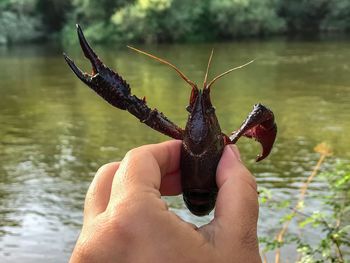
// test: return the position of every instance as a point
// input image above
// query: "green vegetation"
(304, 15)
(168, 20)
(19, 21)
(332, 222)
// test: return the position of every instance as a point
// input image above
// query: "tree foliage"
(179, 20)
(303, 15)
(92, 11)
(338, 17)
(246, 17)
(161, 20)
(168, 20)
(19, 22)
(53, 13)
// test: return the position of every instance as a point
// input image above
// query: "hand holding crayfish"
(125, 220)
(202, 140)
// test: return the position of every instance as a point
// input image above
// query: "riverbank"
(170, 21)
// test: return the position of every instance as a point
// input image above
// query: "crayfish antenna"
(228, 71)
(182, 75)
(206, 73)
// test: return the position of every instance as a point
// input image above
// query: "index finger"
(145, 166)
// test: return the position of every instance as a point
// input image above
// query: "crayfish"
(202, 139)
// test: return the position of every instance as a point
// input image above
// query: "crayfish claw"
(80, 74)
(116, 91)
(259, 125)
(88, 52)
(265, 133)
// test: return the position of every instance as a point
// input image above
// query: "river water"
(55, 132)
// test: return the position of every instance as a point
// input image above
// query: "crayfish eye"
(189, 108)
(210, 110)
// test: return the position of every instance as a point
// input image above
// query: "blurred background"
(55, 132)
(155, 21)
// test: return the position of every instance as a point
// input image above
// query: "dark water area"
(55, 132)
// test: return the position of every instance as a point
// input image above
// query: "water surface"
(55, 132)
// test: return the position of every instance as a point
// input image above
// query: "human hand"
(125, 219)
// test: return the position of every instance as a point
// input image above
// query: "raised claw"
(86, 78)
(259, 125)
(114, 89)
(104, 81)
(88, 52)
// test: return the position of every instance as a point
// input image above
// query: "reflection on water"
(55, 132)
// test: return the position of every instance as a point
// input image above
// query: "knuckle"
(107, 167)
(135, 155)
(132, 160)
(137, 159)
(132, 153)
(122, 218)
(94, 187)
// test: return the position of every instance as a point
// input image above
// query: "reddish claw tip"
(259, 125)
(264, 133)
(267, 142)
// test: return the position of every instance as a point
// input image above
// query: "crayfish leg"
(259, 125)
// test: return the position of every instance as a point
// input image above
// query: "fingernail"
(235, 151)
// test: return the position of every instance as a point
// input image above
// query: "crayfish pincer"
(202, 139)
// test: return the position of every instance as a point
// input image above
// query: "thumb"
(237, 207)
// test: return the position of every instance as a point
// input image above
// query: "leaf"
(287, 217)
(305, 222)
